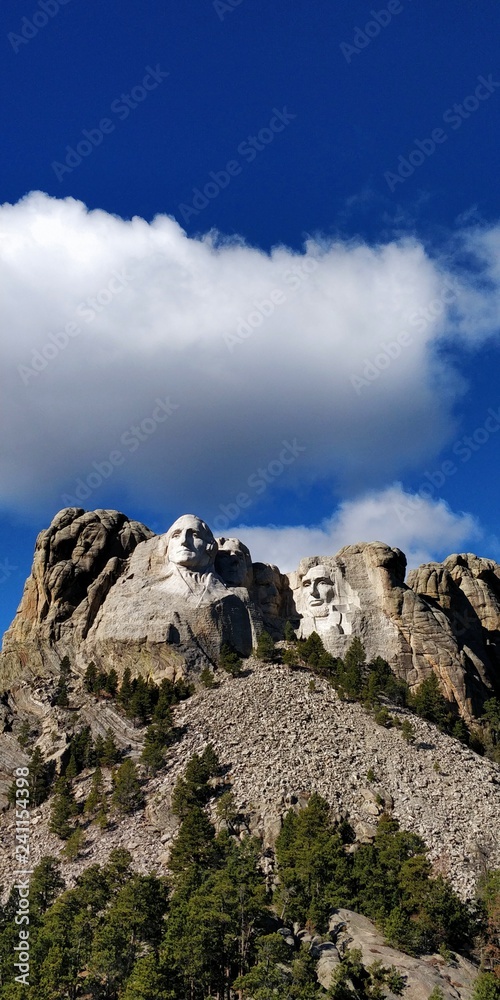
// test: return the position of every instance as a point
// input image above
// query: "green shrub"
(230, 661)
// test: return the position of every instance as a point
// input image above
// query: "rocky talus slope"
(279, 740)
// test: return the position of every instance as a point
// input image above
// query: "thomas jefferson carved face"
(190, 543)
(317, 592)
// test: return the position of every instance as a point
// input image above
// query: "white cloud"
(157, 313)
(424, 529)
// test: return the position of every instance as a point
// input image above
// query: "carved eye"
(306, 583)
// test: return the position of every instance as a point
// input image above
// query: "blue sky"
(301, 335)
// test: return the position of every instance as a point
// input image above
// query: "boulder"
(424, 974)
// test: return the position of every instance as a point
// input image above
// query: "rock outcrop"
(454, 978)
(466, 589)
(106, 589)
(76, 562)
(418, 626)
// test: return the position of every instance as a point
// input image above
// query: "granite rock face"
(455, 978)
(76, 562)
(106, 589)
(466, 589)
(416, 626)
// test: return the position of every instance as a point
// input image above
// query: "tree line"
(219, 926)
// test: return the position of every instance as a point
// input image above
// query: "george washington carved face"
(191, 544)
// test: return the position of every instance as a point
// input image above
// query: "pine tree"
(265, 649)
(153, 753)
(126, 689)
(352, 675)
(290, 657)
(429, 702)
(146, 981)
(83, 748)
(96, 796)
(489, 897)
(102, 817)
(194, 847)
(230, 661)
(24, 735)
(210, 762)
(326, 665)
(491, 721)
(487, 987)
(311, 649)
(289, 632)
(226, 809)
(99, 748)
(71, 770)
(61, 697)
(460, 732)
(127, 793)
(140, 704)
(407, 731)
(111, 684)
(101, 683)
(207, 678)
(90, 678)
(39, 778)
(192, 789)
(64, 808)
(45, 884)
(110, 754)
(74, 844)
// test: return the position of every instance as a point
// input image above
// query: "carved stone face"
(233, 563)
(267, 581)
(190, 543)
(317, 592)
